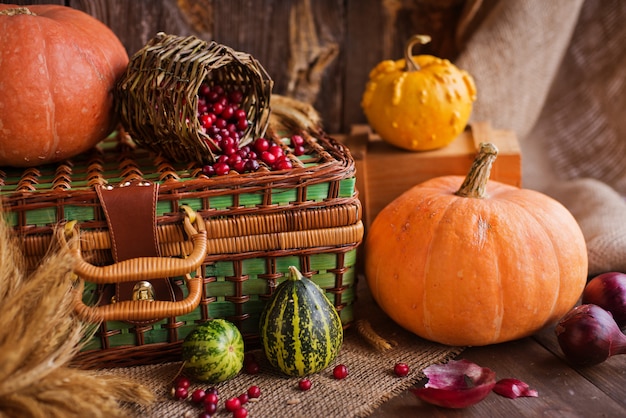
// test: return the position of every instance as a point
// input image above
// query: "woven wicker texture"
(257, 225)
(370, 382)
(157, 97)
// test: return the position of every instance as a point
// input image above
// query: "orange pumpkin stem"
(411, 65)
(475, 182)
(17, 11)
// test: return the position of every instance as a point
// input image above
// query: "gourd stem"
(294, 273)
(411, 65)
(17, 11)
(476, 180)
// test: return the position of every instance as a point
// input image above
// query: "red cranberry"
(283, 164)
(208, 170)
(205, 414)
(254, 392)
(233, 158)
(221, 123)
(218, 108)
(242, 124)
(182, 382)
(243, 152)
(198, 395)
(206, 120)
(232, 404)
(240, 166)
(304, 384)
(268, 158)
(204, 90)
(211, 397)
(240, 114)
(261, 144)
(252, 165)
(221, 169)
(297, 140)
(219, 90)
(228, 112)
(401, 369)
(202, 108)
(340, 372)
(236, 96)
(276, 150)
(243, 398)
(252, 367)
(210, 408)
(240, 413)
(299, 150)
(181, 393)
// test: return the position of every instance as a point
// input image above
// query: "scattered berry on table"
(304, 384)
(340, 372)
(182, 382)
(401, 369)
(240, 413)
(197, 396)
(211, 397)
(232, 404)
(254, 392)
(180, 393)
(210, 408)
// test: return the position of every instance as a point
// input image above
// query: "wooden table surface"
(597, 391)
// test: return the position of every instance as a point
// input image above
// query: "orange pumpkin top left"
(58, 68)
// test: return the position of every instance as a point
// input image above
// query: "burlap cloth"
(553, 72)
(370, 382)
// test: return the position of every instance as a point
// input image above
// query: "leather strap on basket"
(130, 211)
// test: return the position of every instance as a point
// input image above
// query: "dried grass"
(39, 335)
(291, 114)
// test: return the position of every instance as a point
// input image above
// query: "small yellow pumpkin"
(475, 262)
(420, 102)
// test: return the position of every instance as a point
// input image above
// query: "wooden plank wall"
(318, 51)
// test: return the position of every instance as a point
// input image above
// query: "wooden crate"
(384, 171)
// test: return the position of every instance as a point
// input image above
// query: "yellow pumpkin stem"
(475, 183)
(411, 65)
(17, 11)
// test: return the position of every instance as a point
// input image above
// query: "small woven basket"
(157, 96)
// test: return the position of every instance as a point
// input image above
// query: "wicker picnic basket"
(221, 243)
(157, 96)
(160, 246)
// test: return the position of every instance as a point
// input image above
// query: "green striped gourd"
(300, 330)
(213, 352)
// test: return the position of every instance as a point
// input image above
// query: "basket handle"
(141, 268)
(139, 310)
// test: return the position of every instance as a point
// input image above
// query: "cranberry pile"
(223, 119)
(208, 398)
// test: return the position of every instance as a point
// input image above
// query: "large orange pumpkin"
(58, 67)
(475, 262)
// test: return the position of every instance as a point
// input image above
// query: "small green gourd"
(300, 330)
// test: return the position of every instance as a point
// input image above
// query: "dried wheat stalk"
(39, 335)
(364, 328)
(291, 114)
